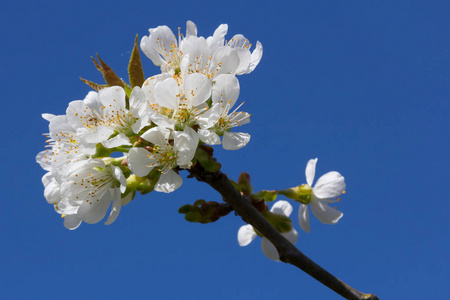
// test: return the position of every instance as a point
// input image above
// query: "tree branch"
(288, 252)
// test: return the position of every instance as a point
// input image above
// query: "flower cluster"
(120, 140)
(157, 126)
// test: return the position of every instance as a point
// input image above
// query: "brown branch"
(288, 252)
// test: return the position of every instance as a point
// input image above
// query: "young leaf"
(135, 70)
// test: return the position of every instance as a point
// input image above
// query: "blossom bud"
(267, 196)
(209, 163)
(244, 184)
(281, 223)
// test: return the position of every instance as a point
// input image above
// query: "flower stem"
(288, 252)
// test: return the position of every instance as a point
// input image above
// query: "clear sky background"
(362, 85)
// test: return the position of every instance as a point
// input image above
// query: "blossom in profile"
(328, 187)
(247, 233)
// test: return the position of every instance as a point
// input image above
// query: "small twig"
(288, 252)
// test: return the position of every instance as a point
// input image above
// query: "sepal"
(301, 193)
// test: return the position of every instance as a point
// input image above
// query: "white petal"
(244, 60)
(282, 207)
(168, 182)
(226, 60)
(156, 135)
(269, 250)
(197, 88)
(127, 199)
(256, 57)
(158, 44)
(218, 38)
(138, 102)
(116, 206)
(210, 117)
(58, 125)
(235, 140)
(139, 161)
(324, 213)
(166, 93)
(329, 185)
(101, 134)
(208, 137)
(43, 159)
(72, 221)
(186, 144)
(117, 174)
(48, 117)
(93, 101)
(303, 217)
(119, 140)
(52, 192)
(239, 41)
(310, 171)
(162, 121)
(112, 98)
(191, 29)
(93, 211)
(226, 87)
(246, 235)
(47, 179)
(150, 52)
(149, 86)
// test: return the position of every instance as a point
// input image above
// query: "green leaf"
(207, 161)
(135, 70)
(94, 85)
(109, 75)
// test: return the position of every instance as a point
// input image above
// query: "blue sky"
(364, 86)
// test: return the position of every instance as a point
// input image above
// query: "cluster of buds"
(157, 124)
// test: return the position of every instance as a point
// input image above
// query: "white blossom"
(164, 156)
(100, 115)
(88, 190)
(328, 187)
(219, 120)
(192, 54)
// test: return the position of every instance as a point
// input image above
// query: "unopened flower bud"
(281, 223)
(245, 184)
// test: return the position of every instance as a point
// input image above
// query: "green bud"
(245, 184)
(207, 162)
(194, 217)
(185, 209)
(266, 196)
(281, 223)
